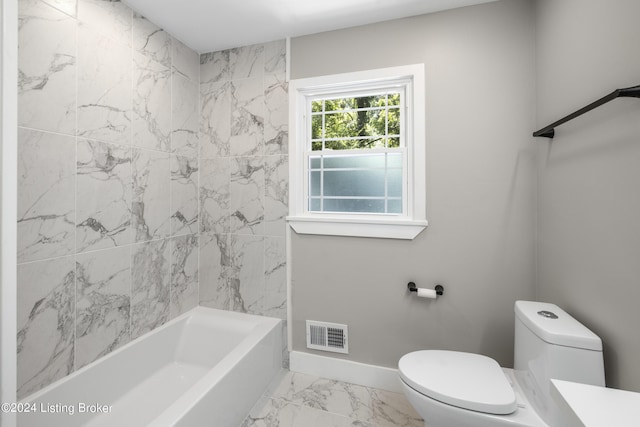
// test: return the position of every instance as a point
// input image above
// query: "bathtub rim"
(184, 317)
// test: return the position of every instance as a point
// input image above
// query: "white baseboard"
(345, 370)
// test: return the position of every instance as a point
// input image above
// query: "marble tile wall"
(244, 179)
(108, 205)
(151, 179)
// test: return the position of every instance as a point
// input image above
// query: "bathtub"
(205, 368)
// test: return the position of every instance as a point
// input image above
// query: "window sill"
(376, 228)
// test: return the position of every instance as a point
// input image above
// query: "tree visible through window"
(353, 123)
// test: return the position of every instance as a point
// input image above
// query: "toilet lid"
(466, 380)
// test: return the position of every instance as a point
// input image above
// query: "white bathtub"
(205, 368)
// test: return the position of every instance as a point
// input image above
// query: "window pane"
(316, 127)
(393, 142)
(379, 100)
(316, 106)
(316, 146)
(314, 183)
(314, 205)
(394, 160)
(354, 183)
(394, 206)
(378, 143)
(353, 205)
(356, 123)
(356, 103)
(340, 125)
(368, 161)
(340, 104)
(354, 144)
(315, 162)
(394, 182)
(394, 98)
(393, 121)
(360, 176)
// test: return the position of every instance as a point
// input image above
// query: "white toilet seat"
(465, 380)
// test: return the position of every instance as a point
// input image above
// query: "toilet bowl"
(457, 389)
(450, 388)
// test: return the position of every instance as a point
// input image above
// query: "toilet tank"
(550, 344)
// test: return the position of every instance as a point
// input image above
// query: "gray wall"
(480, 244)
(589, 202)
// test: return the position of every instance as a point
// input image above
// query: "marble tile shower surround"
(103, 289)
(150, 286)
(151, 104)
(184, 192)
(46, 206)
(47, 65)
(244, 180)
(108, 183)
(151, 179)
(103, 187)
(151, 194)
(46, 319)
(184, 274)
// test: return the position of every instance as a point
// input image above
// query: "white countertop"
(593, 406)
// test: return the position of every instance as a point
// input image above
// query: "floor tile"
(280, 413)
(327, 395)
(393, 409)
(299, 400)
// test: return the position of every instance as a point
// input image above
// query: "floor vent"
(327, 337)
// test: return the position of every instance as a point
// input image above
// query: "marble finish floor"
(300, 400)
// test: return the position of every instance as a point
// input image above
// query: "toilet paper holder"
(414, 288)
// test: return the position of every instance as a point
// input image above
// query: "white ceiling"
(211, 25)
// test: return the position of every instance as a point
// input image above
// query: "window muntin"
(356, 153)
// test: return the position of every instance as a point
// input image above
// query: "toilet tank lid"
(540, 318)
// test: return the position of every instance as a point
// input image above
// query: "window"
(357, 154)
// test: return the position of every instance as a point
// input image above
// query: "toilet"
(457, 389)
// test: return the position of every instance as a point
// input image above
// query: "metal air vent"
(327, 337)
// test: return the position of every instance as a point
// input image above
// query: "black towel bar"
(629, 92)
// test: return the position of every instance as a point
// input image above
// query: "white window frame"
(394, 226)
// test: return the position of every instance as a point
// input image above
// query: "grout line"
(68, 135)
(97, 250)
